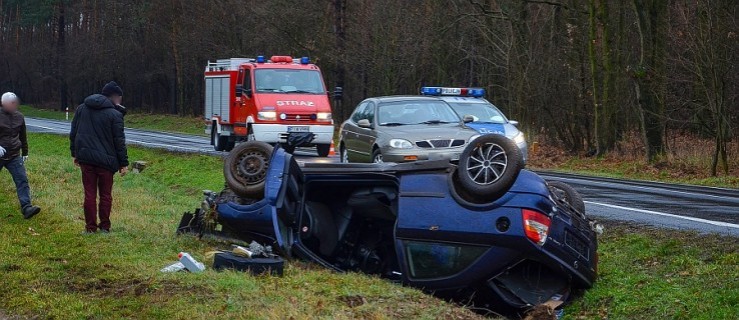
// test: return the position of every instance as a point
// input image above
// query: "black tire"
(323, 150)
(245, 168)
(568, 194)
(220, 143)
(229, 145)
(377, 156)
(488, 167)
(214, 139)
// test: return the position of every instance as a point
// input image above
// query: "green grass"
(50, 270)
(146, 121)
(648, 273)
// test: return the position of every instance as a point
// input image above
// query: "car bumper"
(274, 133)
(414, 154)
(524, 150)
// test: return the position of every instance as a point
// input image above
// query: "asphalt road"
(703, 209)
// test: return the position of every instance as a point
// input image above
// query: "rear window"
(428, 260)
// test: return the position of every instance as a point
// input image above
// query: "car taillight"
(536, 225)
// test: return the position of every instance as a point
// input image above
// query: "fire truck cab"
(266, 100)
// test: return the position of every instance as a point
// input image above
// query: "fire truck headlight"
(324, 116)
(267, 115)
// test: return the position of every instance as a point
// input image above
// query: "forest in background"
(582, 74)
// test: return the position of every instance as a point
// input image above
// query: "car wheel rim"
(487, 163)
(378, 158)
(252, 167)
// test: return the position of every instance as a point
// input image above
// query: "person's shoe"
(30, 211)
(88, 232)
(106, 231)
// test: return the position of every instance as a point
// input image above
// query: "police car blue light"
(444, 91)
(304, 60)
(260, 59)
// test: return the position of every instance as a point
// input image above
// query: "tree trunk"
(649, 75)
(61, 58)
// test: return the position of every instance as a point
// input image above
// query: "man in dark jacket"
(98, 146)
(14, 151)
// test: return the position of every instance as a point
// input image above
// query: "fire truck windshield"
(288, 81)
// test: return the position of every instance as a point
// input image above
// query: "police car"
(486, 117)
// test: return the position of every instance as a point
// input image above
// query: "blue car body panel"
(429, 212)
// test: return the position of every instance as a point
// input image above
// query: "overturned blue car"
(482, 231)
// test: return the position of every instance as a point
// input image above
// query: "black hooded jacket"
(97, 136)
(13, 134)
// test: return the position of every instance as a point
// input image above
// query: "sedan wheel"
(377, 156)
(344, 155)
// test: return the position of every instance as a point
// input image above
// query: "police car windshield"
(480, 112)
(288, 81)
(415, 113)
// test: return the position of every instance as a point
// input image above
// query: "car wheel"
(377, 156)
(344, 154)
(568, 194)
(215, 139)
(488, 167)
(246, 167)
(323, 150)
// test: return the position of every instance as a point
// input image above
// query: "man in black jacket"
(14, 151)
(98, 146)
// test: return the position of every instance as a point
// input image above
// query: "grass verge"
(146, 121)
(650, 273)
(50, 270)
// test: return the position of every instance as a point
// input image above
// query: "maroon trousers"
(97, 180)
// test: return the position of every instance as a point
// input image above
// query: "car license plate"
(298, 129)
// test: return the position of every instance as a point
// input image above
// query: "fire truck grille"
(298, 117)
(441, 143)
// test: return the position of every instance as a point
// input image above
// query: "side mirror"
(513, 122)
(468, 118)
(364, 123)
(338, 93)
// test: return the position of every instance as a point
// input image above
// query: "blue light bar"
(304, 60)
(260, 59)
(461, 92)
(431, 91)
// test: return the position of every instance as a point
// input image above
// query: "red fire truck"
(266, 100)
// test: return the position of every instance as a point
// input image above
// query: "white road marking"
(645, 188)
(715, 223)
(42, 127)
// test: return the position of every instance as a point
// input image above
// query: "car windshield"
(480, 112)
(288, 81)
(415, 112)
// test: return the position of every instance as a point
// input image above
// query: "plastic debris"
(175, 267)
(190, 263)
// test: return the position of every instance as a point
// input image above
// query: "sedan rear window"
(416, 112)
